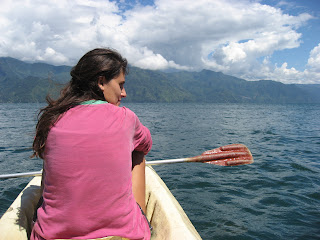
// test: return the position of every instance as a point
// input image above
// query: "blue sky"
(250, 39)
(298, 57)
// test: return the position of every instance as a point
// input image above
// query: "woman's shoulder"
(105, 109)
(118, 110)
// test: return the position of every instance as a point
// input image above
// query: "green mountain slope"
(153, 86)
(25, 82)
(10, 67)
(209, 86)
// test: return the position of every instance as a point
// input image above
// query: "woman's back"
(88, 164)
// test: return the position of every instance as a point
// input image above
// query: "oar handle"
(16, 175)
(167, 161)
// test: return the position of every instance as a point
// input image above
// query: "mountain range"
(31, 82)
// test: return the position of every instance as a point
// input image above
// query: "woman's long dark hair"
(83, 86)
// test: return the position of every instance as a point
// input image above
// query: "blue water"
(276, 197)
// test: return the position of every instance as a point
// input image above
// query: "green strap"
(93, 102)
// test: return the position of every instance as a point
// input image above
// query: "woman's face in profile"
(114, 91)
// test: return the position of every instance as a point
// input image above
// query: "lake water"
(276, 197)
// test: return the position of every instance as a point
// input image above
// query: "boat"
(168, 219)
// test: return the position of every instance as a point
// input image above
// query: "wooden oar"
(229, 155)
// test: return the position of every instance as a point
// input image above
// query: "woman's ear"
(101, 82)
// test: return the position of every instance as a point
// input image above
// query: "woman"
(93, 153)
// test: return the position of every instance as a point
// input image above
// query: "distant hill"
(26, 82)
(209, 86)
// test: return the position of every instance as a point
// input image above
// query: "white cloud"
(32, 27)
(314, 59)
(288, 75)
(152, 61)
(232, 36)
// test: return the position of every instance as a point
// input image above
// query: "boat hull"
(168, 219)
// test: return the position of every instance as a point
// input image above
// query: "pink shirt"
(88, 187)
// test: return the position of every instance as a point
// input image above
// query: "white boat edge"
(164, 211)
(168, 219)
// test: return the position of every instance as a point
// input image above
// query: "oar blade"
(229, 155)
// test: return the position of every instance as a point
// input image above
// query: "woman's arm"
(138, 178)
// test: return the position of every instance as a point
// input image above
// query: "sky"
(249, 39)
